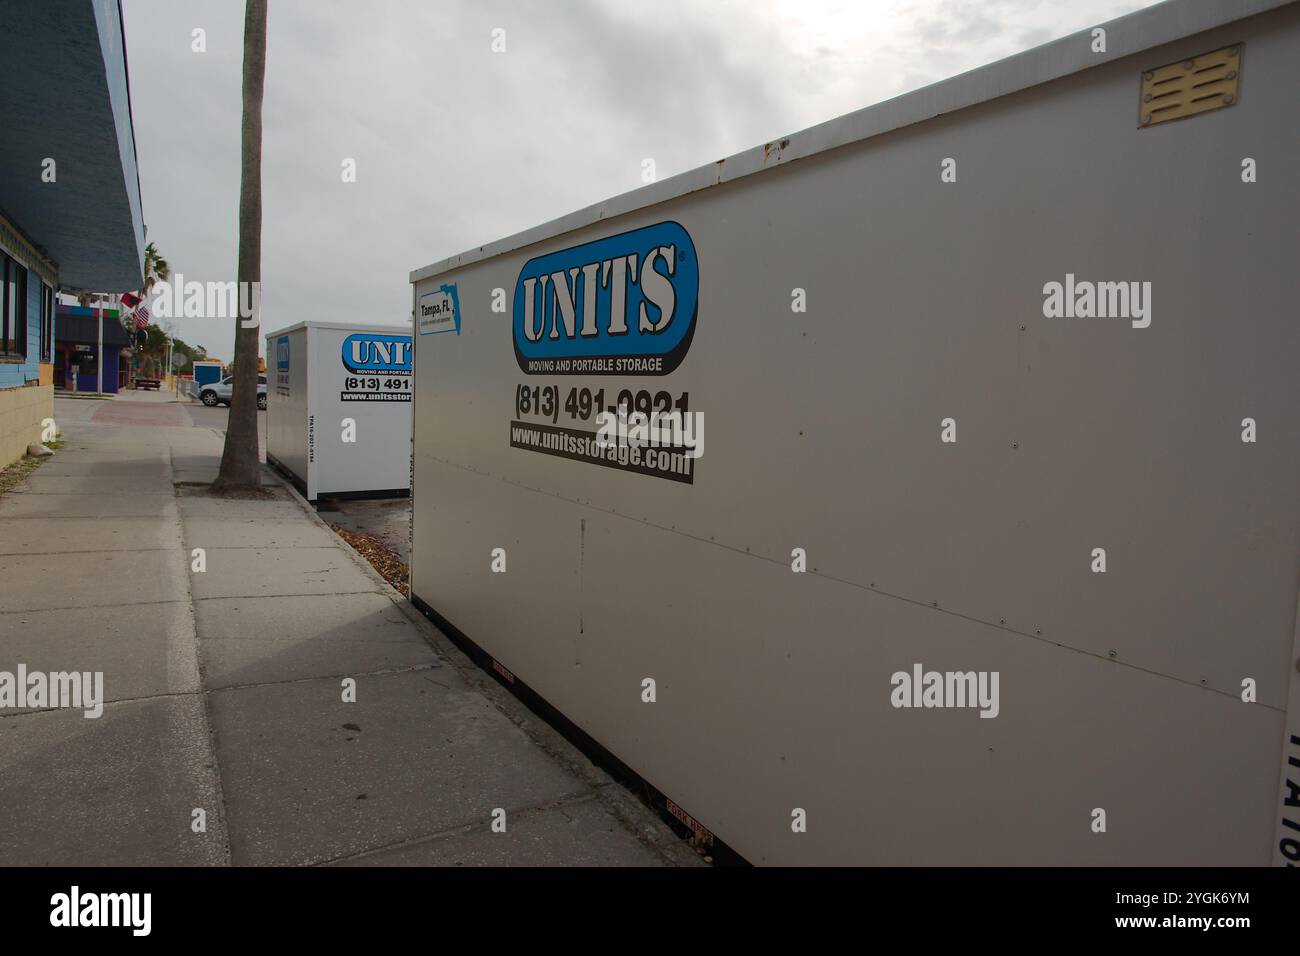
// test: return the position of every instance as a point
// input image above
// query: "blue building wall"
(14, 374)
(112, 362)
(25, 404)
(66, 96)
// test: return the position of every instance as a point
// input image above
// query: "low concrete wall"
(21, 412)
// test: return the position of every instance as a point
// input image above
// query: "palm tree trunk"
(239, 464)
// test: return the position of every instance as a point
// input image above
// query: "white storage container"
(1000, 380)
(338, 419)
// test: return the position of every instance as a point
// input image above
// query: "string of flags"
(140, 311)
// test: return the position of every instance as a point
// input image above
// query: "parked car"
(218, 393)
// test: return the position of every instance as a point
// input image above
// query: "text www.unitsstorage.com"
(673, 463)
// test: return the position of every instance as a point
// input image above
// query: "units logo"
(624, 304)
(372, 353)
(283, 385)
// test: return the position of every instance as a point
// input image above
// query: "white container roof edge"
(345, 326)
(1141, 30)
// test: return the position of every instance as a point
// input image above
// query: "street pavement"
(227, 735)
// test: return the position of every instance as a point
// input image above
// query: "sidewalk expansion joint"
(59, 554)
(32, 711)
(97, 517)
(310, 594)
(512, 813)
(383, 672)
(134, 495)
(92, 607)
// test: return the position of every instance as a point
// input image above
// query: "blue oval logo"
(623, 305)
(375, 352)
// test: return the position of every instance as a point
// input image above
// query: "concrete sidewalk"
(225, 687)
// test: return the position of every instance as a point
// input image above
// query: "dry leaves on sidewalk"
(381, 557)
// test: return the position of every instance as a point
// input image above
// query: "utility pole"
(99, 352)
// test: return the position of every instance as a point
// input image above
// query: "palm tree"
(239, 465)
(156, 268)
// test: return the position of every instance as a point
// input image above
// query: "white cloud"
(456, 146)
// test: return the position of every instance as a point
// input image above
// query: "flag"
(142, 317)
(131, 301)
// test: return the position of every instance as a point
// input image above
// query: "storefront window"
(13, 310)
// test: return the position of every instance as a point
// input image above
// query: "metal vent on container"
(1203, 83)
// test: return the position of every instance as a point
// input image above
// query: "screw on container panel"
(1112, 653)
(1015, 444)
(1038, 630)
(1146, 119)
(1188, 64)
(1229, 98)
(1233, 51)
(1146, 98)
(1148, 75)
(1002, 620)
(1231, 74)
(1022, 328)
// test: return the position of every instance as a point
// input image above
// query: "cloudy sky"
(456, 145)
